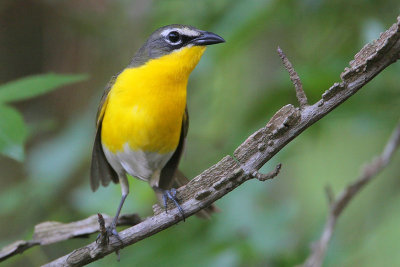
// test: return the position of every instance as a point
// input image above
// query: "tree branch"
(250, 156)
(368, 173)
(47, 233)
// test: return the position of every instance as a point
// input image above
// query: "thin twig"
(271, 175)
(102, 238)
(368, 173)
(329, 194)
(300, 94)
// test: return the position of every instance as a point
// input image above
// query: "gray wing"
(171, 177)
(168, 172)
(100, 169)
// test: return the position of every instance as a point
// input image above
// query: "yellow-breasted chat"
(142, 120)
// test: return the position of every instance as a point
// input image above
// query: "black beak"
(207, 38)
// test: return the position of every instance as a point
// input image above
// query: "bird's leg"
(171, 194)
(112, 228)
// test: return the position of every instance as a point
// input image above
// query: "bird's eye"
(174, 37)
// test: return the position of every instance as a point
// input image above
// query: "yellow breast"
(146, 104)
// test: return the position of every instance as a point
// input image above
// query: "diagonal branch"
(368, 173)
(249, 157)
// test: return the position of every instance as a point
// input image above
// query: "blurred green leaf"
(13, 133)
(35, 85)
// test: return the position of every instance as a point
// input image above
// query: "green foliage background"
(234, 90)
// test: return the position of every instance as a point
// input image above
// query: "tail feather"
(100, 169)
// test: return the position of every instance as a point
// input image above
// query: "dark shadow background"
(234, 90)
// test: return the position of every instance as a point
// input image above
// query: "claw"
(97, 238)
(105, 237)
(171, 194)
(113, 231)
(164, 197)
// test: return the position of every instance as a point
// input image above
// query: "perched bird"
(142, 120)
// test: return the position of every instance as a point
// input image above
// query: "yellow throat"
(146, 104)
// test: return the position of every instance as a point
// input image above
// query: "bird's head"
(180, 44)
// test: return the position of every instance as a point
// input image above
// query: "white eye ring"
(174, 37)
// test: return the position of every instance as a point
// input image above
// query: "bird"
(142, 120)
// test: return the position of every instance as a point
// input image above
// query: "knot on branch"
(286, 117)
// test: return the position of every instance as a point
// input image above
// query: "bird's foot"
(104, 236)
(171, 194)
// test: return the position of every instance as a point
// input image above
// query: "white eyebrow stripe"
(189, 32)
(182, 31)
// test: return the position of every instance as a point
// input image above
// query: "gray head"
(170, 38)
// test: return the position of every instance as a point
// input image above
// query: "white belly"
(143, 165)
